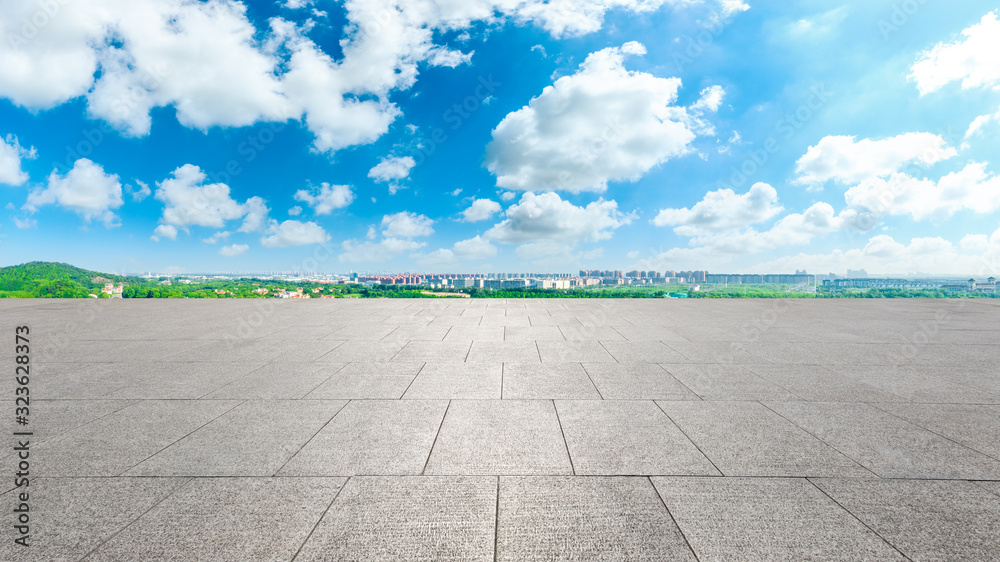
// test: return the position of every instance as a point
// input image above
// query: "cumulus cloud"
(722, 210)
(473, 249)
(210, 63)
(979, 123)
(256, 215)
(882, 254)
(233, 250)
(139, 193)
(480, 210)
(86, 190)
(603, 123)
(190, 202)
(392, 168)
(844, 160)
(972, 188)
(546, 217)
(327, 198)
(164, 231)
(11, 153)
(373, 252)
(406, 225)
(215, 238)
(973, 60)
(293, 233)
(476, 248)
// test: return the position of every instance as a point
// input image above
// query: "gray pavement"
(507, 430)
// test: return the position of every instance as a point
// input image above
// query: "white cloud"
(975, 242)
(508, 196)
(979, 123)
(215, 238)
(547, 217)
(480, 210)
(884, 255)
(371, 252)
(457, 192)
(971, 188)
(476, 248)
(233, 250)
(722, 210)
(293, 233)
(729, 8)
(406, 225)
(140, 193)
(25, 223)
(256, 215)
(975, 60)
(85, 189)
(473, 249)
(188, 202)
(602, 124)
(11, 153)
(392, 168)
(164, 231)
(844, 160)
(295, 211)
(327, 198)
(210, 63)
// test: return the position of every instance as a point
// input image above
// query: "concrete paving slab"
(747, 439)
(566, 518)
(372, 437)
(54, 417)
(157, 381)
(366, 351)
(576, 331)
(421, 351)
(727, 382)
(918, 385)
(637, 381)
(546, 381)
(117, 442)
(818, 384)
(503, 352)
(407, 333)
(468, 334)
(610, 437)
(574, 351)
(642, 352)
(408, 518)
(368, 381)
(887, 445)
(69, 517)
(533, 333)
(226, 519)
(254, 439)
(924, 519)
(513, 437)
(973, 425)
(276, 381)
(767, 519)
(457, 381)
(720, 353)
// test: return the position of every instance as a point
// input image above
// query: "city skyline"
(489, 136)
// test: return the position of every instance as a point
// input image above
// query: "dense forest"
(54, 280)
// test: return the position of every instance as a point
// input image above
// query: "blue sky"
(501, 135)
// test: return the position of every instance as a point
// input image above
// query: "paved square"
(461, 429)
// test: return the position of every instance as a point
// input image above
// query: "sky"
(736, 136)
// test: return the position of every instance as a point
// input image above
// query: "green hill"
(48, 279)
